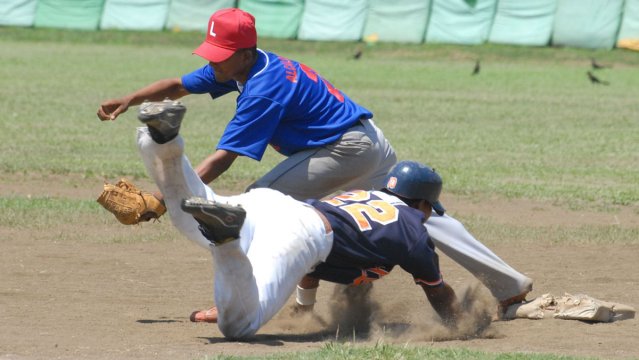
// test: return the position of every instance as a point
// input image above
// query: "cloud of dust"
(477, 312)
(355, 315)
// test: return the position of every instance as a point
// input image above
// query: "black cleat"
(163, 118)
(219, 223)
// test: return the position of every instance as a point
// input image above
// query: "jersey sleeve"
(423, 263)
(202, 81)
(252, 128)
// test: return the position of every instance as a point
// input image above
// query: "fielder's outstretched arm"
(215, 165)
(167, 88)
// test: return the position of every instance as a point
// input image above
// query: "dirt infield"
(79, 296)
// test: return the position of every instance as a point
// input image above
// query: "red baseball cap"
(228, 31)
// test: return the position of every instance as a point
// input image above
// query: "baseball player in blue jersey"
(331, 142)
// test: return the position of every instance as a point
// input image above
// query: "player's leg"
(176, 179)
(236, 294)
(288, 239)
(362, 157)
(456, 242)
(374, 179)
(302, 243)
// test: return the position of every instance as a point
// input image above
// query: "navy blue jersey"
(372, 232)
(283, 103)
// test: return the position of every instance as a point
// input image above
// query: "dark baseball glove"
(129, 204)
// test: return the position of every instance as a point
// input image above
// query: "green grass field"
(529, 126)
(394, 352)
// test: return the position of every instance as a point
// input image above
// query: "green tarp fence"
(17, 12)
(587, 23)
(69, 14)
(460, 21)
(578, 23)
(135, 14)
(397, 21)
(193, 15)
(523, 22)
(275, 18)
(333, 20)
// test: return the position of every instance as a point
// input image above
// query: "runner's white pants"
(281, 240)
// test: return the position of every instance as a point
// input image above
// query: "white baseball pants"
(281, 240)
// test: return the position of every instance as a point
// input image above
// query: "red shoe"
(208, 316)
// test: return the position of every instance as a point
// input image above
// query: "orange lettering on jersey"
(363, 279)
(378, 211)
(333, 91)
(370, 275)
(312, 74)
(357, 195)
(291, 72)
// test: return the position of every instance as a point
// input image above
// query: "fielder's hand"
(110, 109)
(129, 204)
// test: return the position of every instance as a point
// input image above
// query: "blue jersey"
(283, 103)
(373, 232)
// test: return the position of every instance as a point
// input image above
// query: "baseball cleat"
(219, 223)
(503, 305)
(163, 118)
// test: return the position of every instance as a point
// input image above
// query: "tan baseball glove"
(129, 204)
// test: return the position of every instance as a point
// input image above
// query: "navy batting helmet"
(412, 180)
